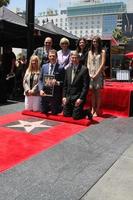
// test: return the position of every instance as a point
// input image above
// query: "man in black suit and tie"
(50, 84)
(75, 88)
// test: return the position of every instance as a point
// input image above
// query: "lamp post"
(30, 12)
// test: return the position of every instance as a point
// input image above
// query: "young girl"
(30, 84)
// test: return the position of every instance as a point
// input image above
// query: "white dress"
(93, 64)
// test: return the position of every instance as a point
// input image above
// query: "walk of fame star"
(29, 126)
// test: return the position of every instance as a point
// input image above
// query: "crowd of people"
(58, 81)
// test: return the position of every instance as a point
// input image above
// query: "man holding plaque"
(50, 85)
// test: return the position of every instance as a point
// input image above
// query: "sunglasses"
(47, 42)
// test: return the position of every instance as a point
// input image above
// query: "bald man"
(42, 52)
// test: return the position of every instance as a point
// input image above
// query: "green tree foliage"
(4, 2)
(119, 36)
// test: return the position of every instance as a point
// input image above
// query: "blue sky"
(40, 5)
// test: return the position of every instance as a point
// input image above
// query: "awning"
(129, 55)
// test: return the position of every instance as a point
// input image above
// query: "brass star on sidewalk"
(29, 126)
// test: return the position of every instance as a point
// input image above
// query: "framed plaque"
(48, 84)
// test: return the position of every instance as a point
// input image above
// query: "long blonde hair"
(30, 68)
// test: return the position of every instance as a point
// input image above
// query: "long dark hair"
(99, 41)
(78, 49)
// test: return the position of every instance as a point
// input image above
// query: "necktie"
(51, 69)
(73, 73)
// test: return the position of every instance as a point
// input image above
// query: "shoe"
(88, 114)
(11, 75)
(95, 114)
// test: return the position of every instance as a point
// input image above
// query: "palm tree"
(119, 36)
(4, 2)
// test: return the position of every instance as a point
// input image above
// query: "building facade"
(87, 17)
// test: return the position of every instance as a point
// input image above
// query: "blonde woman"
(30, 84)
(63, 55)
(95, 64)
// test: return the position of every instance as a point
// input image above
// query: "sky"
(40, 5)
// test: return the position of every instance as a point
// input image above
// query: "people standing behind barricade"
(9, 69)
(42, 52)
(30, 84)
(64, 53)
(75, 88)
(95, 64)
(50, 85)
(82, 49)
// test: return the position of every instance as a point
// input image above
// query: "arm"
(25, 83)
(86, 80)
(65, 85)
(13, 65)
(35, 88)
(84, 89)
(40, 83)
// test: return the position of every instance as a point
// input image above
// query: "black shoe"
(88, 114)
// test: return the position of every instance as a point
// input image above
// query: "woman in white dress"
(95, 64)
(30, 84)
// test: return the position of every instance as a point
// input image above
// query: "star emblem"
(29, 126)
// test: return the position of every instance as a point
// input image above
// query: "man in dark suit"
(75, 88)
(50, 84)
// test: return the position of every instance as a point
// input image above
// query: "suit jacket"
(59, 76)
(78, 89)
(43, 56)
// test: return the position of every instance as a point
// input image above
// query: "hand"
(64, 101)
(55, 82)
(95, 77)
(42, 93)
(78, 102)
(29, 92)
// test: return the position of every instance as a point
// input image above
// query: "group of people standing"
(57, 81)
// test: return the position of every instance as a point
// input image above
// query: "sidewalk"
(94, 164)
(117, 183)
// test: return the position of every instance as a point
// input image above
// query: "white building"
(87, 17)
(129, 6)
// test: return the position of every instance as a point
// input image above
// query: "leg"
(45, 105)
(98, 101)
(36, 103)
(55, 106)
(28, 103)
(67, 109)
(93, 102)
(78, 112)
